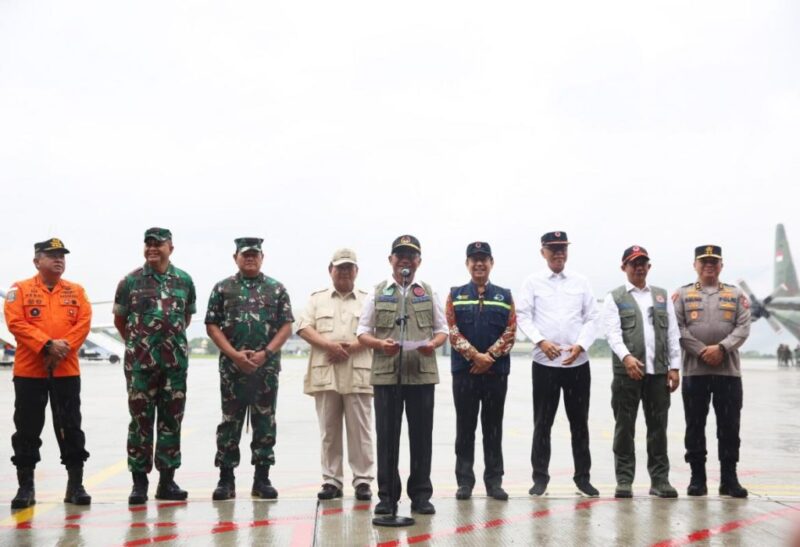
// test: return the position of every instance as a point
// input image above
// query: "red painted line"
(462, 530)
(701, 535)
(148, 541)
(303, 534)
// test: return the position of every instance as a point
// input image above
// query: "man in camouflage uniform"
(249, 318)
(152, 309)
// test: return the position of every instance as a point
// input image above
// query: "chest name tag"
(387, 298)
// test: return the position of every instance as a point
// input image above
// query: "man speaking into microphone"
(425, 330)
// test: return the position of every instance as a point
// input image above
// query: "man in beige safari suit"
(338, 377)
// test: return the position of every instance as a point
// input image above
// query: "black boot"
(226, 487)
(138, 494)
(697, 485)
(168, 489)
(729, 482)
(26, 495)
(76, 493)
(262, 487)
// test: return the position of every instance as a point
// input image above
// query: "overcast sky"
(318, 125)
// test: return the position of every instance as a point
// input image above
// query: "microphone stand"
(393, 520)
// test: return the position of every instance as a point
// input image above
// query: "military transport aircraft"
(782, 307)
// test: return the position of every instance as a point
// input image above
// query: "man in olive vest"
(426, 330)
(643, 334)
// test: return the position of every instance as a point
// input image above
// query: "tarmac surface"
(769, 468)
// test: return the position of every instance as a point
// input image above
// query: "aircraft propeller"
(758, 308)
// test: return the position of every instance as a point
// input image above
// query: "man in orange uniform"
(50, 318)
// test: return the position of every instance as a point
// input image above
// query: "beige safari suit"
(341, 389)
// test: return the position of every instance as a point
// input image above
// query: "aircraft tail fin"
(785, 274)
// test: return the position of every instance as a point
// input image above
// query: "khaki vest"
(630, 318)
(416, 368)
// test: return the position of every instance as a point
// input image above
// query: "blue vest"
(481, 321)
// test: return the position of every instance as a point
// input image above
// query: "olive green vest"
(416, 368)
(630, 318)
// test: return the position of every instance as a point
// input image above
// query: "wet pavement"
(769, 468)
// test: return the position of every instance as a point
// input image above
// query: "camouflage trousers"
(259, 391)
(152, 390)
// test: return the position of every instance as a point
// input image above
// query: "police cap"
(52, 244)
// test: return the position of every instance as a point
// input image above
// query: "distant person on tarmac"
(643, 335)
(338, 377)
(50, 318)
(556, 310)
(714, 321)
(483, 326)
(152, 309)
(249, 318)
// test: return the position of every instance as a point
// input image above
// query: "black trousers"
(485, 393)
(725, 392)
(548, 382)
(418, 403)
(31, 395)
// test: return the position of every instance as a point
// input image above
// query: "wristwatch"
(268, 353)
(48, 345)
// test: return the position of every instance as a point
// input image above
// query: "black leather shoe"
(697, 488)
(262, 486)
(226, 487)
(168, 489)
(538, 489)
(732, 489)
(328, 492)
(497, 492)
(76, 494)
(623, 491)
(464, 492)
(26, 494)
(383, 508)
(423, 508)
(363, 492)
(586, 489)
(138, 495)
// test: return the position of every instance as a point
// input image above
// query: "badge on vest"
(418, 291)
(499, 297)
(385, 298)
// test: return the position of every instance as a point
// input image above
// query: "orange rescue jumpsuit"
(35, 315)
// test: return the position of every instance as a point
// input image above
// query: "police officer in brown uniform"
(714, 321)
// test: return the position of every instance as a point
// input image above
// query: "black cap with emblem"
(634, 252)
(52, 244)
(406, 241)
(479, 248)
(555, 238)
(708, 251)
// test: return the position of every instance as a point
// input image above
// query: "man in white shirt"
(556, 310)
(642, 331)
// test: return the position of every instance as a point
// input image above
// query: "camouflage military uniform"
(249, 312)
(156, 359)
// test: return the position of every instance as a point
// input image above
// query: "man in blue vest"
(482, 325)
(643, 334)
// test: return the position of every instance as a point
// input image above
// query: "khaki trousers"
(356, 409)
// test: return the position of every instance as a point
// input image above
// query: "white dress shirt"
(367, 322)
(559, 308)
(644, 299)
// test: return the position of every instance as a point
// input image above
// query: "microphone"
(405, 272)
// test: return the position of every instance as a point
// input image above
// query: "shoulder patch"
(11, 295)
(675, 296)
(745, 301)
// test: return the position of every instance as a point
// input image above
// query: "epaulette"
(362, 291)
(729, 285)
(319, 291)
(687, 285)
